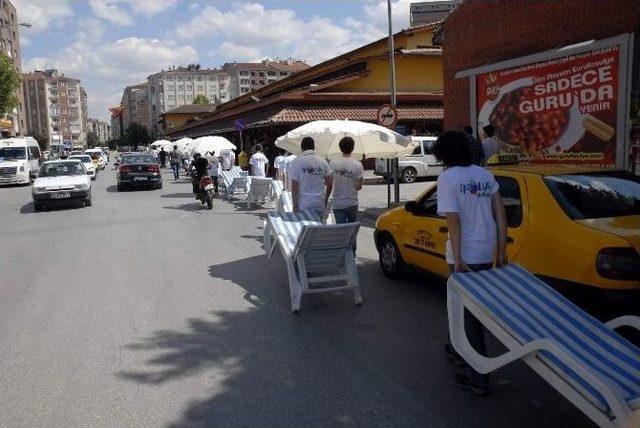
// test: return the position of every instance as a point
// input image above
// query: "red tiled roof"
(308, 114)
(192, 108)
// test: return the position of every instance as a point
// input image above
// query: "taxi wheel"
(390, 258)
(409, 175)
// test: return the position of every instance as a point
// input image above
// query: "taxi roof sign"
(504, 159)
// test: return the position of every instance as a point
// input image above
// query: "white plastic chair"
(585, 360)
(314, 254)
(259, 190)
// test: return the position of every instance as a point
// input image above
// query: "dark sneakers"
(463, 381)
(455, 358)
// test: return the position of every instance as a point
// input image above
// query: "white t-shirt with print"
(278, 162)
(309, 170)
(468, 191)
(346, 172)
(214, 165)
(258, 164)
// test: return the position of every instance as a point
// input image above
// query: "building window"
(189, 87)
(253, 73)
(180, 77)
(253, 82)
(244, 90)
(272, 81)
(189, 97)
(199, 78)
(200, 88)
(171, 97)
(212, 77)
(271, 73)
(262, 82)
(283, 73)
(181, 87)
(169, 77)
(261, 74)
(244, 81)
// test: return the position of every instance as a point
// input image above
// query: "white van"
(420, 163)
(19, 160)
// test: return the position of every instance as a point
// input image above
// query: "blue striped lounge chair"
(584, 359)
(235, 181)
(259, 190)
(314, 254)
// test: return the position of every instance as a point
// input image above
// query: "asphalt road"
(147, 310)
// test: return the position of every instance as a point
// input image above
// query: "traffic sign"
(387, 116)
(239, 125)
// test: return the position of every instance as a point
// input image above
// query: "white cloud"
(42, 13)
(237, 52)
(106, 67)
(194, 6)
(120, 12)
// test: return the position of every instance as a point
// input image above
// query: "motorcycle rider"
(201, 169)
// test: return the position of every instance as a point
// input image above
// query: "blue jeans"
(175, 167)
(475, 332)
(346, 215)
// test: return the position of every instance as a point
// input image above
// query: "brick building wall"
(480, 32)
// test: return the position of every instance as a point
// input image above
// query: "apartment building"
(135, 105)
(55, 107)
(246, 77)
(13, 124)
(428, 12)
(101, 129)
(116, 122)
(179, 86)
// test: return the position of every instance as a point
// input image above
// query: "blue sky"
(110, 44)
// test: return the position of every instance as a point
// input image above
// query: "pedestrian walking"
(228, 159)
(286, 164)
(477, 151)
(214, 167)
(175, 160)
(243, 160)
(279, 166)
(259, 162)
(163, 157)
(309, 174)
(347, 178)
(468, 197)
(490, 145)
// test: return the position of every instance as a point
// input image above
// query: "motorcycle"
(205, 189)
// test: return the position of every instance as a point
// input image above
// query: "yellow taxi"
(566, 224)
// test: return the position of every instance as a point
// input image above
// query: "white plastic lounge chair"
(234, 181)
(259, 190)
(585, 360)
(309, 247)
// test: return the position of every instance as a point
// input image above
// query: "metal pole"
(392, 76)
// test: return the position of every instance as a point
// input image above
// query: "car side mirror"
(412, 207)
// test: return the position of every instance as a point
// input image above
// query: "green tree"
(93, 140)
(43, 141)
(9, 83)
(201, 99)
(135, 135)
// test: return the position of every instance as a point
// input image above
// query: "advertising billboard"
(558, 110)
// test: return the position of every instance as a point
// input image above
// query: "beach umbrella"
(212, 144)
(184, 144)
(156, 145)
(371, 141)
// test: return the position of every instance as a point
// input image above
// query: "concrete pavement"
(147, 310)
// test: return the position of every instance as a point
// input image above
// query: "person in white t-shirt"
(214, 166)
(258, 163)
(468, 197)
(490, 145)
(278, 164)
(228, 158)
(347, 182)
(286, 163)
(309, 174)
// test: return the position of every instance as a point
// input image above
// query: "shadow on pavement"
(178, 195)
(56, 206)
(192, 207)
(334, 364)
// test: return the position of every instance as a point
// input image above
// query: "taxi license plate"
(139, 178)
(208, 187)
(64, 195)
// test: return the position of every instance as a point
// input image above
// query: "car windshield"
(81, 158)
(13, 153)
(596, 195)
(58, 169)
(139, 159)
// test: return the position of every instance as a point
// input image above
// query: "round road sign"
(387, 116)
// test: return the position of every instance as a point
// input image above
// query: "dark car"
(139, 170)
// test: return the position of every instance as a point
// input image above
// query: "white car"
(420, 163)
(102, 158)
(61, 181)
(19, 160)
(88, 164)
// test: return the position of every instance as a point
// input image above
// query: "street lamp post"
(392, 84)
